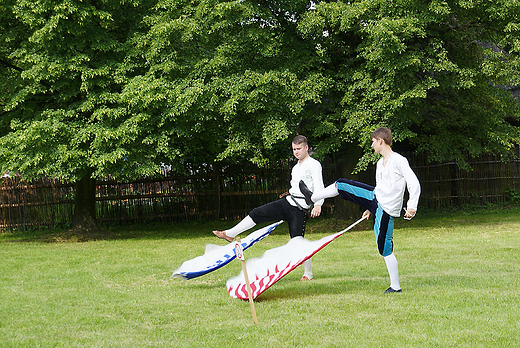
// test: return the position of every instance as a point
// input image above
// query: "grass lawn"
(460, 274)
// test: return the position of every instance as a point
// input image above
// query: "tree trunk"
(84, 220)
(344, 166)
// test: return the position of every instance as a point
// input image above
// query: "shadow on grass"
(197, 229)
(154, 231)
(324, 286)
(181, 231)
(463, 216)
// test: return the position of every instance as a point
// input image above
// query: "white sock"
(328, 192)
(307, 268)
(242, 226)
(393, 271)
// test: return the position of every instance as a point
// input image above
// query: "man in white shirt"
(384, 202)
(292, 206)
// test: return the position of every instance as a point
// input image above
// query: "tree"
(116, 88)
(67, 110)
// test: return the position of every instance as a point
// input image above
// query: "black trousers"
(281, 210)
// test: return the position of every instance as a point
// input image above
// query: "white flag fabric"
(275, 263)
(216, 256)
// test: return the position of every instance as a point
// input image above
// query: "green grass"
(459, 271)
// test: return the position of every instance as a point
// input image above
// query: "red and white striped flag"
(276, 263)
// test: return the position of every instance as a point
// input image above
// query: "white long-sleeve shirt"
(310, 172)
(391, 181)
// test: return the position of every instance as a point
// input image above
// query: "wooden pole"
(240, 256)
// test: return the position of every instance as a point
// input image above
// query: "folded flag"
(216, 256)
(276, 263)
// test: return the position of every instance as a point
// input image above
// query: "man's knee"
(385, 248)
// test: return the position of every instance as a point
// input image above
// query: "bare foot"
(222, 235)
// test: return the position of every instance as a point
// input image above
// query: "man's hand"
(409, 214)
(367, 214)
(316, 211)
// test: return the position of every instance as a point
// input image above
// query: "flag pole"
(354, 224)
(240, 255)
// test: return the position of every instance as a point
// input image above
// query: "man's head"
(300, 139)
(381, 140)
(300, 147)
(382, 133)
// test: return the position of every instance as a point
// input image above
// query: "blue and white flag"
(216, 256)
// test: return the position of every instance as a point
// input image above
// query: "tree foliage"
(239, 71)
(427, 69)
(72, 61)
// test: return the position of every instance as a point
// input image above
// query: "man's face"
(377, 144)
(300, 151)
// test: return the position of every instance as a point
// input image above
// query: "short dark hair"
(299, 139)
(382, 133)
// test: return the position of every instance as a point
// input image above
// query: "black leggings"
(281, 210)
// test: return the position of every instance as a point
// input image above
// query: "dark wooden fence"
(230, 193)
(491, 180)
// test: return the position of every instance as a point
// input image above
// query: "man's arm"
(414, 188)
(317, 178)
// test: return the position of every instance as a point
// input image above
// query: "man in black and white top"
(291, 207)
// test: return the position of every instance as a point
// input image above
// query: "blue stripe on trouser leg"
(383, 231)
(356, 192)
(364, 195)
